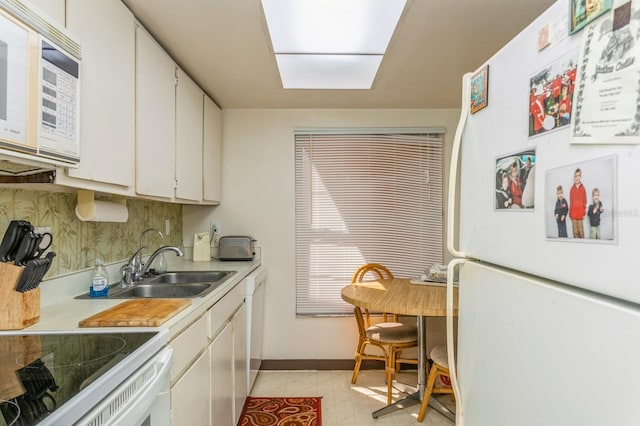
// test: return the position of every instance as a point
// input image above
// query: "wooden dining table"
(400, 296)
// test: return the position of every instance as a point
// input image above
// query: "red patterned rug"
(262, 411)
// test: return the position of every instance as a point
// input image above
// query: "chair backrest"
(380, 272)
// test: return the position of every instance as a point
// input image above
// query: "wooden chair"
(380, 272)
(440, 367)
(391, 337)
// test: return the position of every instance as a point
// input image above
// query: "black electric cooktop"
(40, 373)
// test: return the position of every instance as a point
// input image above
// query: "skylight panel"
(358, 29)
(328, 71)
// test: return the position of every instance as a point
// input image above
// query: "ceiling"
(224, 45)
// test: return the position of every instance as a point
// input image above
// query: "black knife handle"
(44, 265)
(12, 238)
(28, 246)
(26, 277)
(24, 229)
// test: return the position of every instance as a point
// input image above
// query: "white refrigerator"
(548, 331)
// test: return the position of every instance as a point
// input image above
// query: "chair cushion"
(439, 355)
(393, 332)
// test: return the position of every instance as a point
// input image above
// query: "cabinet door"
(155, 116)
(212, 151)
(105, 29)
(239, 323)
(55, 9)
(187, 345)
(190, 395)
(221, 355)
(189, 119)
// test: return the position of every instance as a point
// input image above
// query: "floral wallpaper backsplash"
(78, 244)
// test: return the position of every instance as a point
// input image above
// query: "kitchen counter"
(65, 314)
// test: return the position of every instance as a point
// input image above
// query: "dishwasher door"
(254, 299)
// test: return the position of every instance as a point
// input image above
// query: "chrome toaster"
(236, 247)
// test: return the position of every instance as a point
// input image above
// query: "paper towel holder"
(89, 209)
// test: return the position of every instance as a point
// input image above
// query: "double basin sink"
(183, 284)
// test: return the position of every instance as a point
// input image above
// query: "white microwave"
(39, 88)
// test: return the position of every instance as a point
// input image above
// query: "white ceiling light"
(328, 71)
(360, 29)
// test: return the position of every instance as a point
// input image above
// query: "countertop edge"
(65, 315)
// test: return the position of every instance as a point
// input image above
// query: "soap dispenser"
(99, 286)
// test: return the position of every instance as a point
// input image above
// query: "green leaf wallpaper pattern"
(78, 244)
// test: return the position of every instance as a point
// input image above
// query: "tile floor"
(344, 404)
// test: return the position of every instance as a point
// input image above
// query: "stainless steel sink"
(188, 277)
(165, 291)
(187, 284)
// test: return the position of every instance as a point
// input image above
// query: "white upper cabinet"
(212, 152)
(105, 29)
(146, 128)
(156, 118)
(189, 128)
(55, 9)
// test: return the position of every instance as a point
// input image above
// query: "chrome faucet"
(145, 266)
(135, 269)
(130, 271)
(151, 230)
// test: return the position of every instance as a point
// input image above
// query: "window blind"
(364, 198)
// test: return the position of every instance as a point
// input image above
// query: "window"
(363, 198)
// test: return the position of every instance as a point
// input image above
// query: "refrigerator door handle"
(451, 358)
(453, 169)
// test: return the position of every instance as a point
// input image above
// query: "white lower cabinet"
(222, 377)
(239, 323)
(209, 374)
(190, 375)
(228, 360)
(190, 394)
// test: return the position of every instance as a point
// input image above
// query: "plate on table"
(424, 280)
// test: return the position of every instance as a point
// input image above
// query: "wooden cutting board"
(137, 313)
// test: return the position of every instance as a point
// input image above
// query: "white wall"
(258, 199)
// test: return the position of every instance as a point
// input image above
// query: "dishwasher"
(254, 299)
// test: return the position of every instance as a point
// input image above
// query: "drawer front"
(220, 313)
(187, 345)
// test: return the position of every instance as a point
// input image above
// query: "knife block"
(17, 310)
